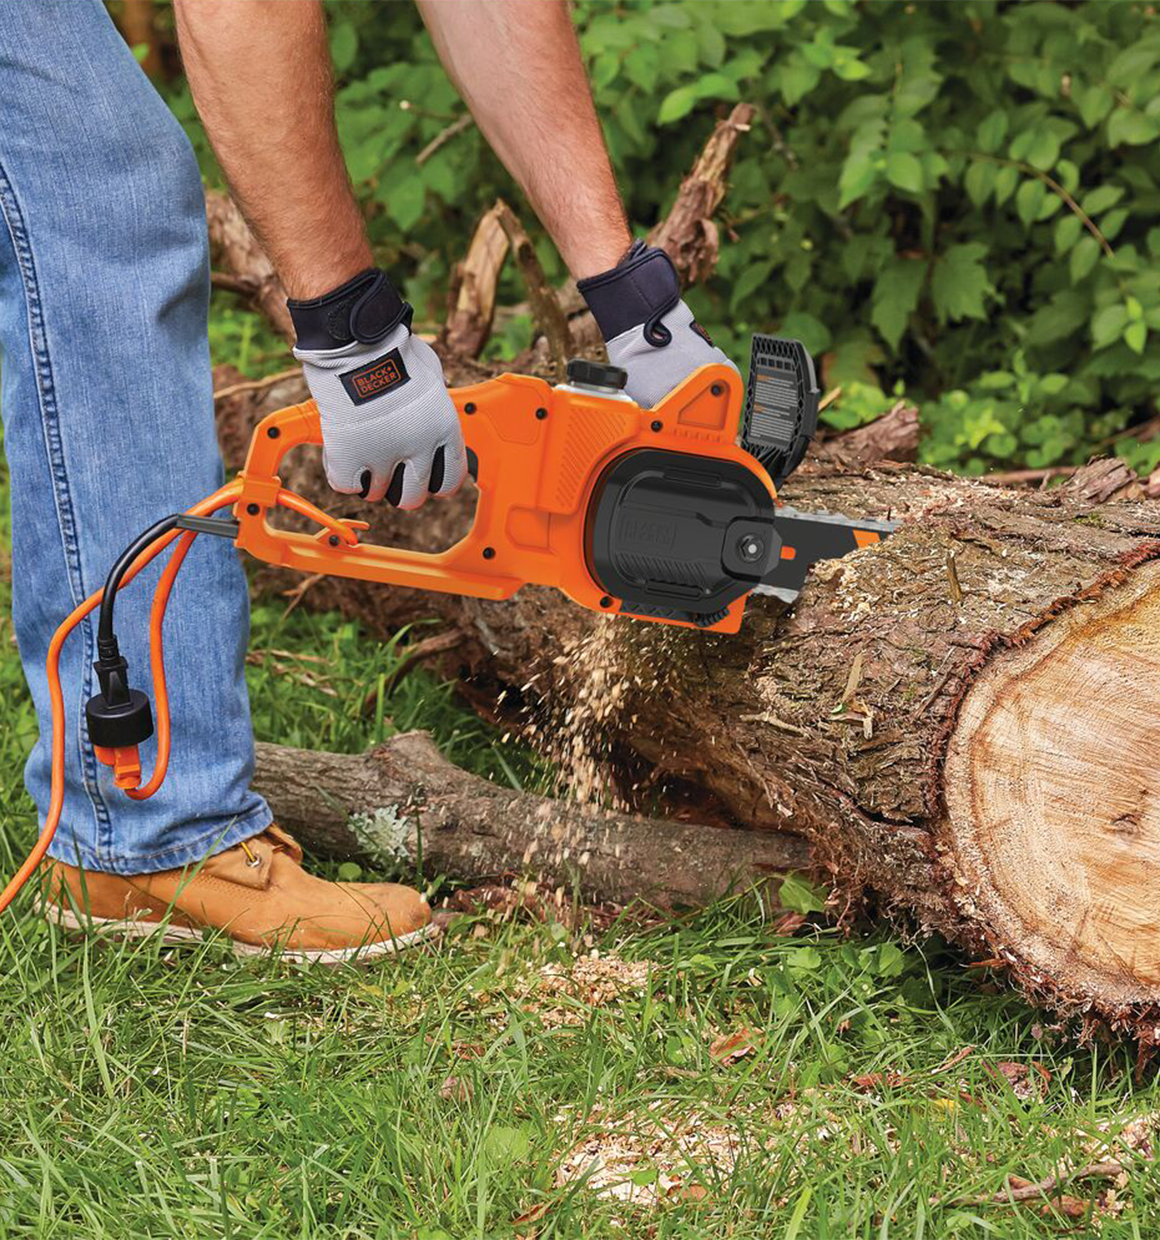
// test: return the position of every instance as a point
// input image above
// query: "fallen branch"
(1052, 1185)
(244, 259)
(688, 232)
(463, 826)
(549, 318)
(472, 304)
(892, 437)
(256, 385)
(441, 643)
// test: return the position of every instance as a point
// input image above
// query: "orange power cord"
(222, 498)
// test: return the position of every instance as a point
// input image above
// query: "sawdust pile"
(564, 995)
(647, 1160)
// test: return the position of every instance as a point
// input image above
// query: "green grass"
(150, 1093)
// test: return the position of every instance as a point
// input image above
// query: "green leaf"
(406, 201)
(1101, 198)
(850, 68)
(350, 872)
(1111, 224)
(891, 960)
(992, 130)
(979, 181)
(748, 282)
(904, 171)
(1132, 64)
(716, 86)
(1127, 127)
(859, 173)
(1062, 316)
(677, 103)
(506, 1145)
(343, 46)
(1083, 258)
(814, 334)
(1005, 181)
(1067, 232)
(1108, 325)
(1029, 200)
(1038, 147)
(1094, 103)
(800, 896)
(796, 78)
(713, 46)
(806, 958)
(959, 283)
(895, 297)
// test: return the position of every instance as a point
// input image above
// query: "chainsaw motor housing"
(679, 537)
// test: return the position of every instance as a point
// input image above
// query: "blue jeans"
(105, 391)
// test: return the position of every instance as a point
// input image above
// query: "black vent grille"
(781, 405)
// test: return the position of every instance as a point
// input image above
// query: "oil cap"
(596, 374)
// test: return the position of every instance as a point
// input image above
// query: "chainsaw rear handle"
(539, 451)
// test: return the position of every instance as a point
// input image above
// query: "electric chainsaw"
(667, 514)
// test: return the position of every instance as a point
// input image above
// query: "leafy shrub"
(960, 199)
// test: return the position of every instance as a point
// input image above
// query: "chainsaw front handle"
(540, 452)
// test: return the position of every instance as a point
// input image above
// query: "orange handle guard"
(541, 450)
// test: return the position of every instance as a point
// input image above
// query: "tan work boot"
(256, 892)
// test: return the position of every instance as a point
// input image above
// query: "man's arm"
(517, 65)
(260, 73)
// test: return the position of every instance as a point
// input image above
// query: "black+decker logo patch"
(382, 375)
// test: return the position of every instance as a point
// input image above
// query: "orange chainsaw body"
(541, 451)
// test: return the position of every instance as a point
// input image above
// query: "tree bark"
(405, 798)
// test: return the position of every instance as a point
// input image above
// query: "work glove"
(389, 427)
(649, 331)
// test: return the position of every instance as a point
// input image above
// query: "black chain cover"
(679, 537)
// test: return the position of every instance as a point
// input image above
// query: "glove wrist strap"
(639, 291)
(366, 308)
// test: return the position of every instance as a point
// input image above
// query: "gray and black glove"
(648, 329)
(389, 427)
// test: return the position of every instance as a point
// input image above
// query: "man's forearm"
(260, 73)
(518, 67)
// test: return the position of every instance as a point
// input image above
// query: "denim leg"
(105, 391)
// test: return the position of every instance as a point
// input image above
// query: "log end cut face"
(1052, 787)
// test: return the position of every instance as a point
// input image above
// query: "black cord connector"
(118, 716)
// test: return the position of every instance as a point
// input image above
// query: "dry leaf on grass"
(456, 1088)
(525, 1224)
(1027, 1081)
(730, 1047)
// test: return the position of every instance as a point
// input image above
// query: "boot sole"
(179, 936)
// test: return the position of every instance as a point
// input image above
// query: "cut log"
(404, 798)
(961, 721)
